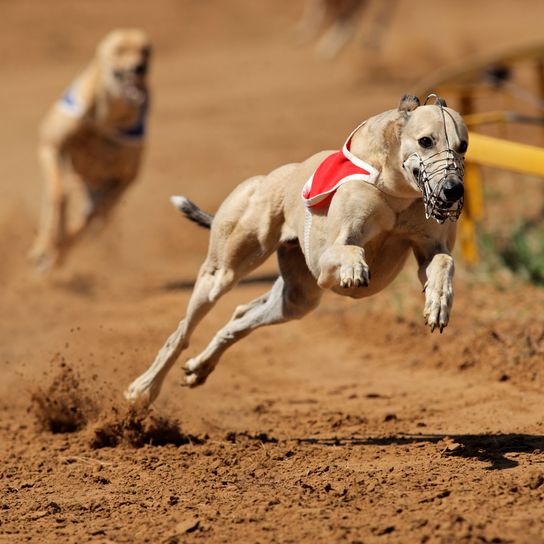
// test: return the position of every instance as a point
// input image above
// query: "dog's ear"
(440, 102)
(409, 103)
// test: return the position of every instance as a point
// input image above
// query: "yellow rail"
(497, 153)
(522, 158)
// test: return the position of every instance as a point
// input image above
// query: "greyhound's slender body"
(97, 130)
(355, 245)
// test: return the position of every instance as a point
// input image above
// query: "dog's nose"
(453, 190)
(141, 69)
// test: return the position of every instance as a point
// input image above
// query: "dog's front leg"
(343, 265)
(436, 274)
(47, 247)
(355, 217)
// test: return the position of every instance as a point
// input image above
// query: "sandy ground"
(353, 425)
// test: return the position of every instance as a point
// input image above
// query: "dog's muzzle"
(440, 180)
(129, 74)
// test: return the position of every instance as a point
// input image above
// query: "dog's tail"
(192, 211)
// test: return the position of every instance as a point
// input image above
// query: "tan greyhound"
(402, 191)
(96, 129)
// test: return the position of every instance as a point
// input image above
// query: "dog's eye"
(425, 142)
(463, 146)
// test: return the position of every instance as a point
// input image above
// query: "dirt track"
(353, 425)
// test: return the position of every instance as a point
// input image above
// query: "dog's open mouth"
(132, 83)
(431, 177)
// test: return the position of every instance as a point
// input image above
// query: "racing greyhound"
(395, 187)
(97, 128)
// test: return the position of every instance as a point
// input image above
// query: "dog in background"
(97, 131)
(340, 20)
(395, 188)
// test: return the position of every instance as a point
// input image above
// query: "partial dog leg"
(353, 221)
(378, 27)
(244, 308)
(99, 206)
(45, 252)
(436, 269)
(343, 29)
(311, 21)
(210, 285)
(229, 259)
(294, 294)
(344, 266)
(438, 289)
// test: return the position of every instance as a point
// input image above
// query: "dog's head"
(124, 57)
(433, 144)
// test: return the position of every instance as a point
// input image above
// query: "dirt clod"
(136, 426)
(64, 406)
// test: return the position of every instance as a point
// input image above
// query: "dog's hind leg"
(242, 310)
(210, 285)
(294, 294)
(245, 231)
(227, 262)
(99, 206)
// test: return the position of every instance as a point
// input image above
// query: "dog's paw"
(42, 260)
(196, 373)
(437, 306)
(193, 379)
(354, 275)
(343, 266)
(140, 392)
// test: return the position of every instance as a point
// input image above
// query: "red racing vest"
(335, 170)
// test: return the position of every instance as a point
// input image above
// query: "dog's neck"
(118, 111)
(378, 143)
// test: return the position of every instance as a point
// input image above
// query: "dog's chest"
(386, 255)
(98, 157)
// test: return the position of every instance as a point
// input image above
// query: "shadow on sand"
(185, 285)
(491, 448)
